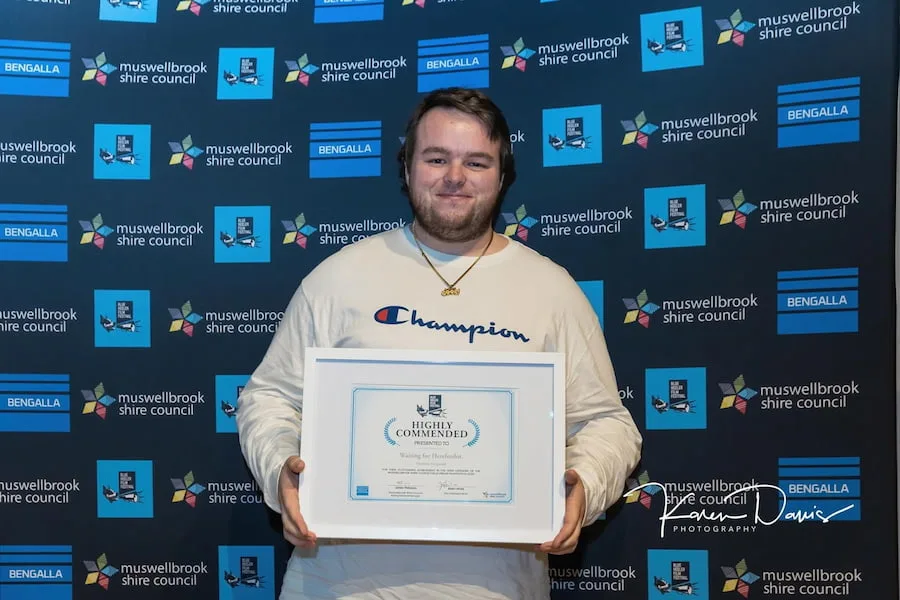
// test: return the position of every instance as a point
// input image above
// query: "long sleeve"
(604, 444)
(269, 409)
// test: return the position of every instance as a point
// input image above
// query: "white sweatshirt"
(515, 289)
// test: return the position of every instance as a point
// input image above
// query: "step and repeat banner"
(719, 179)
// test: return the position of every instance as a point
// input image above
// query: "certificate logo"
(682, 572)
(246, 572)
(246, 73)
(228, 390)
(244, 234)
(675, 217)
(125, 489)
(573, 136)
(434, 407)
(674, 39)
(676, 398)
(121, 318)
(121, 151)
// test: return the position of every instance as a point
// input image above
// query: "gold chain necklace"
(451, 289)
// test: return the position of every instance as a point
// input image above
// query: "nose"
(455, 174)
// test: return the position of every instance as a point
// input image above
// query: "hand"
(295, 529)
(566, 540)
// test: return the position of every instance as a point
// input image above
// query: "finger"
(296, 464)
(300, 542)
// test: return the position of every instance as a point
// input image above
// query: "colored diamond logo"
(193, 6)
(419, 3)
(97, 69)
(297, 231)
(638, 131)
(735, 210)
(184, 319)
(639, 309)
(734, 29)
(518, 224)
(736, 395)
(739, 579)
(99, 572)
(187, 490)
(516, 55)
(97, 401)
(94, 232)
(299, 70)
(640, 490)
(184, 152)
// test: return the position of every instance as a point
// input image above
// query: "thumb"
(572, 477)
(295, 464)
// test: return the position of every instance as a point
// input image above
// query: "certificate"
(433, 445)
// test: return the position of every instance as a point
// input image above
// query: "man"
(449, 266)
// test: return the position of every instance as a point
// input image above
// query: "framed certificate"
(420, 445)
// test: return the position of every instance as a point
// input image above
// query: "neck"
(468, 248)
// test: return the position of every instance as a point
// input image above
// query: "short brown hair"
(472, 102)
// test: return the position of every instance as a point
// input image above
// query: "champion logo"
(400, 315)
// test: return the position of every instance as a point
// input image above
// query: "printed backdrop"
(719, 178)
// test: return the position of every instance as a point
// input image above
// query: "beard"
(458, 227)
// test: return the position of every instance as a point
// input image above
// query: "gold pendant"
(450, 291)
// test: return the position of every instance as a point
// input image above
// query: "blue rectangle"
(144, 12)
(34, 86)
(842, 109)
(36, 208)
(853, 488)
(836, 94)
(835, 132)
(813, 323)
(349, 14)
(9, 218)
(345, 3)
(227, 401)
(54, 233)
(463, 39)
(345, 125)
(33, 387)
(344, 167)
(62, 400)
(468, 79)
(458, 62)
(593, 291)
(40, 591)
(30, 559)
(34, 44)
(33, 252)
(56, 573)
(829, 471)
(109, 163)
(846, 272)
(6, 378)
(112, 332)
(665, 565)
(110, 504)
(818, 85)
(230, 567)
(819, 284)
(659, 52)
(55, 64)
(665, 412)
(833, 510)
(818, 460)
(664, 230)
(368, 148)
(231, 85)
(34, 422)
(242, 246)
(479, 49)
(833, 300)
(346, 134)
(32, 548)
